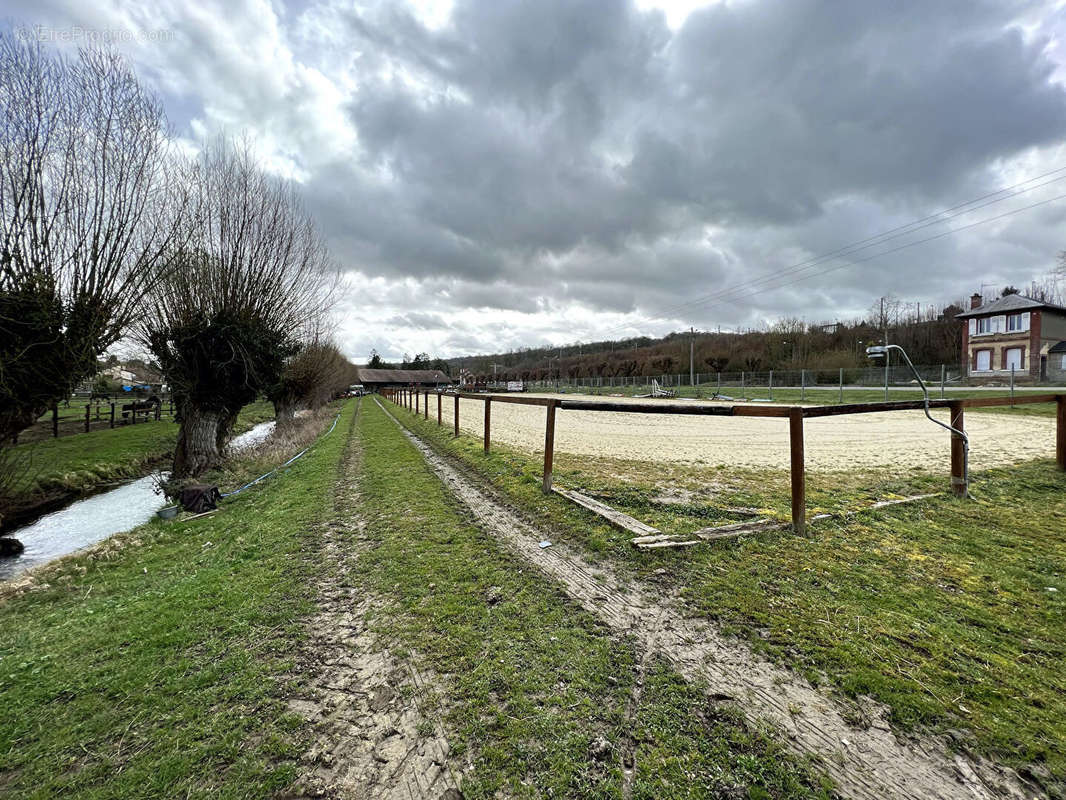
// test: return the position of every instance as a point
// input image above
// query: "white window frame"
(977, 359)
(1015, 322)
(984, 326)
(1021, 357)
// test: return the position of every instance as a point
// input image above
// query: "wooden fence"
(93, 416)
(411, 399)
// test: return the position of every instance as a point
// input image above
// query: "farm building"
(1016, 332)
(374, 379)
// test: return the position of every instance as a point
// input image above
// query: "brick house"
(1014, 331)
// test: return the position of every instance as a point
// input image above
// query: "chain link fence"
(939, 378)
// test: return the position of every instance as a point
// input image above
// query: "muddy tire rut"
(375, 720)
(869, 763)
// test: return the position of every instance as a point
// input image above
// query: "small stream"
(83, 523)
(86, 522)
(251, 438)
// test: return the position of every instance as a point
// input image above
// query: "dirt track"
(368, 710)
(901, 439)
(867, 762)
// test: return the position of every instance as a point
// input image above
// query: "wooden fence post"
(55, 421)
(87, 410)
(425, 406)
(958, 451)
(549, 446)
(438, 409)
(112, 415)
(1060, 431)
(488, 413)
(457, 416)
(415, 393)
(799, 482)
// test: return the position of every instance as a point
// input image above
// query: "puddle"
(83, 523)
(251, 438)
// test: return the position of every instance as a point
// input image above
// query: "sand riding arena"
(894, 435)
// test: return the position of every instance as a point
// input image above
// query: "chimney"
(975, 301)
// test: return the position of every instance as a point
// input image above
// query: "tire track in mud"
(866, 763)
(375, 730)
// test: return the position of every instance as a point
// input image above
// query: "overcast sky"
(493, 174)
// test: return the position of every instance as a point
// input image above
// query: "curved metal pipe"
(882, 350)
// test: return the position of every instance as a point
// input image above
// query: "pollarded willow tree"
(90, 216)
(312, 377)
(254, 279)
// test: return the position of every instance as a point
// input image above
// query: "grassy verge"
(156, 665)
(531, 680)
(950, 612)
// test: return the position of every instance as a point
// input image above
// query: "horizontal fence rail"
(74, 419)
(415, 398)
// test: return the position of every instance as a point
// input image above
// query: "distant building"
(119, 373)
(1016, 332)
(374, 379)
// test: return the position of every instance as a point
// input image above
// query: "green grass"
(78, 463)
(532, 679)
(940, 609)
(158, 665)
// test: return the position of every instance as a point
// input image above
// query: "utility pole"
(884, 321)
(691, 349)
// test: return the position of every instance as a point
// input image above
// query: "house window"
(984, 360)
(1013, 358)
(1015, 322)
(984, 325)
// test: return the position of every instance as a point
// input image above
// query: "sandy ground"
(902, 439)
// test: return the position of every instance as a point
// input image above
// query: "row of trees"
(420, 361)
(106, 231)
(930, 334)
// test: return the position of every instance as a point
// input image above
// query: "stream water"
(83, 523)
(252, 437)
(86, 522)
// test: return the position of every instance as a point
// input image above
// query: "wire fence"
(939, 378)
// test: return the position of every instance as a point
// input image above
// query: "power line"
(852, 262)
(862, 244)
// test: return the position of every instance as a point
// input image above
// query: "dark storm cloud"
(543, 165)
(585, 134)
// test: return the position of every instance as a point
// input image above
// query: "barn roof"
(367, 375)
(1012, 302)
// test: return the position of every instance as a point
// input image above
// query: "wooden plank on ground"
(617, 518)
(737, 529)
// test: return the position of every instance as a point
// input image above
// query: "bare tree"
(89, 217)
(254, 280)
(311, 378)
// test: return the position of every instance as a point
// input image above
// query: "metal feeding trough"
(169, 512)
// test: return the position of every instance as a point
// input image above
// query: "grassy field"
(158, 664)
(532, 679)
(950, 612)
(78, 463)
